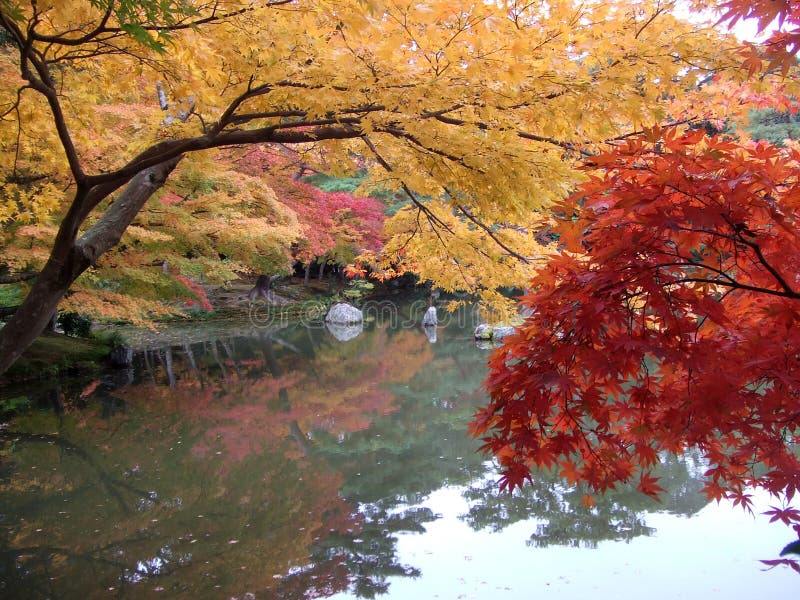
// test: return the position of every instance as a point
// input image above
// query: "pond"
(277, 461)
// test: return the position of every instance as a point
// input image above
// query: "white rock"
(344, 313)
(430, 317)
(502, 331)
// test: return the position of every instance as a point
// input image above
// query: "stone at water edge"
(483, 332)
(344, 332)
(496, 333)
(502, 331)
(344, 313)
(430, 318)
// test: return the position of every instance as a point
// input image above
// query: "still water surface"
(283, 463)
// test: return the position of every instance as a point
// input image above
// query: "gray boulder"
(430, 318)
(344, 313)
(502, 331)
(483, 332)
(495, 333)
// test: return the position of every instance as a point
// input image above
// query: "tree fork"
(70, 258)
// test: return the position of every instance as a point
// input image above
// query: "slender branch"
(273, 114)
(655, 15)
(400, 133)
(417, 202)
(13, 29)
(762, 259)
(61, 41)
(738, 238)
(226, 117)
(433, 219)
(688, 262)
(467, 213)
(736, 285)
(102, 28)
(43, 83)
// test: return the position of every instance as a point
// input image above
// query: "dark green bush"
(75, 324)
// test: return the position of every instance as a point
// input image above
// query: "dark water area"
(282, 462)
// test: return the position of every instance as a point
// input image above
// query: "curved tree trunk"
(262, 288)
(69, 258)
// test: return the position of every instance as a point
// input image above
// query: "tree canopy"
(475, 112)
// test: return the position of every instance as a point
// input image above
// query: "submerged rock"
(344, 331)
(344, 313)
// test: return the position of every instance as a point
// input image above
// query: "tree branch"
(737, 286)
(108, 230)
(467, 213)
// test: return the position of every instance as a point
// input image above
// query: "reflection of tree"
(166, 518)
(369, 557)
(205, 484)
(413, 451)
(340, 390)
(171, 518)
(283, 464)
(617, 515)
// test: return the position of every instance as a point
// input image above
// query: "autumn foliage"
(474, 113)
(781, 45)
(336, 224)
(668, 320)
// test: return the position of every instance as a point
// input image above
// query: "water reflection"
(617, 515)
(279, 464)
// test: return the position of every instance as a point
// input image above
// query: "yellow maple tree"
(473, 110)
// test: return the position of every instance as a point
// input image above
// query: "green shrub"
(75, 324)
(11, 406)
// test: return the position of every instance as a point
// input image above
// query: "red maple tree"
(336, 225)
(780, 17)
(669, 320)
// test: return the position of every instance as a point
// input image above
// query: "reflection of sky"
(713, 554)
